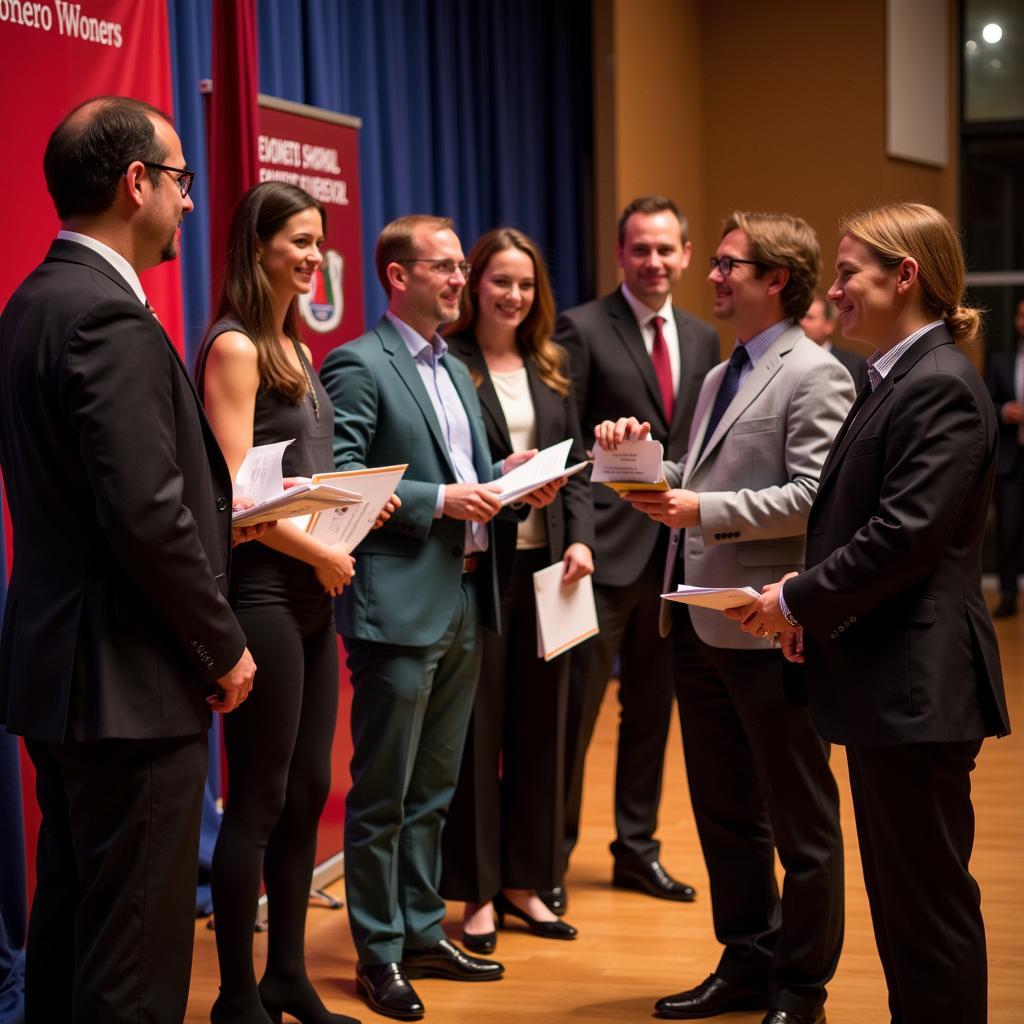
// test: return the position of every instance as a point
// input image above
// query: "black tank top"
(261, 576)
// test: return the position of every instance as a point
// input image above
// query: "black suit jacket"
(1002, 367)
(856, 366)
(569, 518)
(116, 620)
(899, 645)
(613, 376)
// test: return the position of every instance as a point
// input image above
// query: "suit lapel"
(546, 405)
(686, 354)
(489, 403)
(628, 332)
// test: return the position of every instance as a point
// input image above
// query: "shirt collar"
(115, 259)
(643, 313)
(760, 343)
(880, 363)
(420, 348)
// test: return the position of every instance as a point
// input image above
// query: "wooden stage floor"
(633, 949)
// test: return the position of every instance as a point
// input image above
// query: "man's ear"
(132, 181)
(907, 274)
(397, 276)
(778, 278)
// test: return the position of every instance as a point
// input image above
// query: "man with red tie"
(633, 350)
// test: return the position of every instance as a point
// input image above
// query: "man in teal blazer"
(411, 618)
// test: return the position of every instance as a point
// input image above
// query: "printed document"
(349, 525)
(633, 466)
(718, 598)
(547, 465)
(566, 615)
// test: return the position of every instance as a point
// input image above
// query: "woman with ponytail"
(901, 659)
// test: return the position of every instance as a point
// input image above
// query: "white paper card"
(718, 598)
(348, 526)
(259, 477)
(547, 465)
(633, 462)
(566, 615)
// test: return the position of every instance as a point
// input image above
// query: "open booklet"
(260, 479)
(718, 598)
(633, 466)
(547, 465)
(350, 525)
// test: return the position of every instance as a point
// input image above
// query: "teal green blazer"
(408, 573)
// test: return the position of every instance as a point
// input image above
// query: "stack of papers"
(545, 466)
(633, 466)
(718, 598)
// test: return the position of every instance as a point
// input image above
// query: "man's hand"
(516, 459)
(793, 646)
(609, 434)
(545, 494)
(1013, 412)
(475, 502)
(577, 562)
(763, 617)
(235, 686)
(677, 508)
(391, 506)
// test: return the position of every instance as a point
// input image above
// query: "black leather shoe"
(1007, 606)
(445, 960)
(386, 989)
(556, 900)
(711, 997)
(545, 929)
(654, 880)
(789, 1017)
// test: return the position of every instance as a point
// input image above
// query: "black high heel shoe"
(301, 1002)
(484, 943)
(545, 929)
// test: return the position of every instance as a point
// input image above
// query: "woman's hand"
(545, 494)
(578, 561)
(391, 506)
(334, 569)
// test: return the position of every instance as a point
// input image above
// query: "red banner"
(53, 55)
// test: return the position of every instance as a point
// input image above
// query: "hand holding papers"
(349, 525)
(718, 598)
(566, 614)
(260, 480)
(544, 467)
(631, 466)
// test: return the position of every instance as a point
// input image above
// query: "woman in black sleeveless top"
(258, 386)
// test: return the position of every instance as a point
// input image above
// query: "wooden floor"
(633, 949)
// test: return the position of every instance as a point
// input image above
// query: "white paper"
(547, 465)
(566, 615)
(295, 501)
(259, 477)
(632, 462)
(718, 598)
(348, 526)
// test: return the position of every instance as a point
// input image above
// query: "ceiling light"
(992, 32)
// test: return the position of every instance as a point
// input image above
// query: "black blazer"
(569, 518)
(856, 366)
(898, 641)
(613, 376)
(116, 620)
(1002, 366)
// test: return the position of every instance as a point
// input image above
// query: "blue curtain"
(475, 109)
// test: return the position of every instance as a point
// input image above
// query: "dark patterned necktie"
(726, 392)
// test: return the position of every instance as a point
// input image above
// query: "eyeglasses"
(724, 264)
(446, 268)
(185, 176)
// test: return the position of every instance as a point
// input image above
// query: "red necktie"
(663, 368)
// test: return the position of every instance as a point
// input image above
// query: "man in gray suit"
(758, 772)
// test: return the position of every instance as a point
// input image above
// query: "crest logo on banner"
(323, 307)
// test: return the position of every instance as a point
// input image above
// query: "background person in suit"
(412, 616)
(758, 772)
(503, 839)
(632, 350)
(1006, 386)
(258, 385)
(819, 323)
(117, 632)
(902, 664)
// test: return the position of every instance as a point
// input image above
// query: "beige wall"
(748, 105)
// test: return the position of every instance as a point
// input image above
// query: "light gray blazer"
(757, 477)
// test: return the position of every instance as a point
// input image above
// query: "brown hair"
(653, 204)
(533, 336)
(782, 240)
(900, 231)
(245, 293)
(397, 242)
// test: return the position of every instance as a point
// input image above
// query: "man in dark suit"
(117, 638)
(902, 664)
(633, 351)
(412, 616)
(1006, 386)
(818, 324)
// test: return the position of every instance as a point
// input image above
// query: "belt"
(470, 563)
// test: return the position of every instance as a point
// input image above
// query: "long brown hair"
(245, 293)
(900, 230)
(533, 336)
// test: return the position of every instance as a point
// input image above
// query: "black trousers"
(505, 822)
(628, 617)
(112, 923)
(1009, 498)
(915, 823)
(760, 783)
(278, 746)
